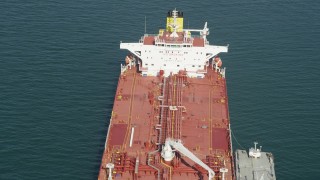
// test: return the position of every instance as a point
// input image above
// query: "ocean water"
(60, 60)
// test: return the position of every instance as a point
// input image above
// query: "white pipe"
(131, 138)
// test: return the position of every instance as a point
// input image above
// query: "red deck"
(116, 134)
(200, 120)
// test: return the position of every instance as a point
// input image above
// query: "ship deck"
(147, 110)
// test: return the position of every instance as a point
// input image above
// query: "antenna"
(174, 26)
(255, 145)
(145, 24)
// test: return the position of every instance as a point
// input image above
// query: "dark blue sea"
(60, 61)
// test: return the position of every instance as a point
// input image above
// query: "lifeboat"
(128, 59)
(218, 61)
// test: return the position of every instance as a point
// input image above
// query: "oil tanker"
(170, 119)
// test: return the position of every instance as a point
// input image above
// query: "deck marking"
(130, 109)
(173, 103)
(210, 120)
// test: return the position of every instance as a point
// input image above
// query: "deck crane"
(203, 32)
(178, 146)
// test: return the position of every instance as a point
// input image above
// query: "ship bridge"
(174, 49)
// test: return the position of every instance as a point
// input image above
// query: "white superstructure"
(174, 49)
